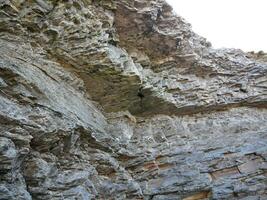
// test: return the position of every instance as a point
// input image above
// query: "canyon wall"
(120, 99)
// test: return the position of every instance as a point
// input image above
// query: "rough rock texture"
(260, 56)
(119, 99)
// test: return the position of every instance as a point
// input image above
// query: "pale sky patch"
(227, 23)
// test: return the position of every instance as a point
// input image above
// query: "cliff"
(120, 99)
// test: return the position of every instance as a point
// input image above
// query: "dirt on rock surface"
(120, 99)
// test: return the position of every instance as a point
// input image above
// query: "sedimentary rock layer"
(120, 99)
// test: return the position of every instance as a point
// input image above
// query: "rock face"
(119, 99)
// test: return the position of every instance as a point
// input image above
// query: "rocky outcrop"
(260, 56)
(121, 100)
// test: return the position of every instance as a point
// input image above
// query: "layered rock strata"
(119, 99)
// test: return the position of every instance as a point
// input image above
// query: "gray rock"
(122, 100)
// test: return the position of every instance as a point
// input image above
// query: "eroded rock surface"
(119, 99)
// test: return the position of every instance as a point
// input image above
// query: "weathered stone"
(122, 100)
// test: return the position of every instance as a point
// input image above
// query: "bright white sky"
(227, 23)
